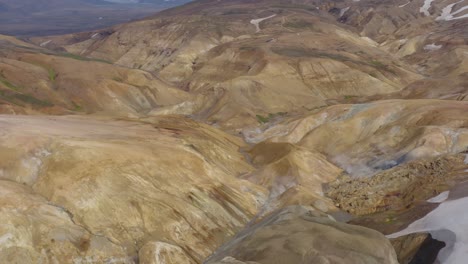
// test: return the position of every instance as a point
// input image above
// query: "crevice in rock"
(70, 215)
(427, 253)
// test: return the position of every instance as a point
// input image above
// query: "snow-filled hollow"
(442, 197)
(343, 11)
(432, 47)
(43, 44)
(448, 15)
(447, 223)
(256, 22)
(425, 8)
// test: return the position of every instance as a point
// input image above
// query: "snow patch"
(343, 11)
(446, 11)
(447, 14)
(256, 22)
(43, 44)
(404, 5)
(402, 41)
(425, 8)
(442, 197)
(448, 223)
(95, 35)
(466, 159)
(370, 41)
(432, 47)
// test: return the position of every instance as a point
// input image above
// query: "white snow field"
(447, 223)
(425, 8)
(448, 15)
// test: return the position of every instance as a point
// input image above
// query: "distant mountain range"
(50, 17)
(29, 5)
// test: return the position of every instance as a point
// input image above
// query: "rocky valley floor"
(240, 132)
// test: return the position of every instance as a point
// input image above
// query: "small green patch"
(265, 119)
(21, 99)
(52, 74)
(117, 79)
(262, 119)
(235, 12)
(347, 97)
(281, 114)
(298, 52)
(390, 219)
(81, 58)
(8, 84)
(246, 48)
(76, 106)
(32, 100)
(381, 66)
(377, 64)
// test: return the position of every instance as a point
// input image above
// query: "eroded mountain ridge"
(168, 136)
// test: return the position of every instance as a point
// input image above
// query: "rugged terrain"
(240, 132)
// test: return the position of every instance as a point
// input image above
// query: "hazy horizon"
(25, 18)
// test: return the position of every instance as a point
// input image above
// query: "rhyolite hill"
(194, 136)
